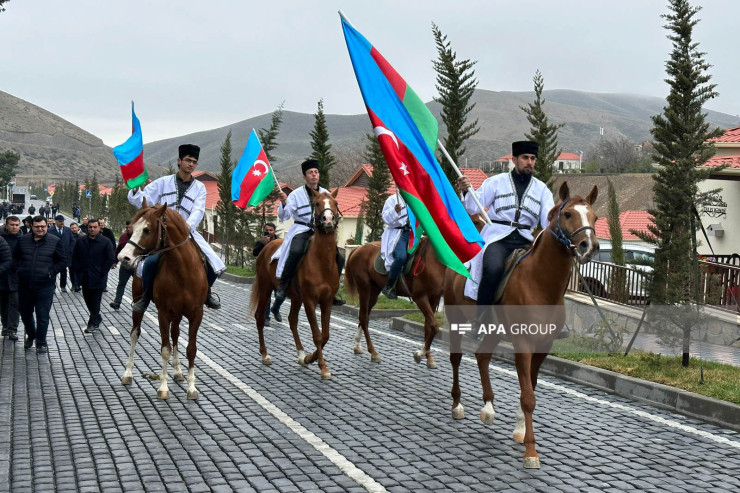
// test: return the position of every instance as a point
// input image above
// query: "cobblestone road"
(68, 424)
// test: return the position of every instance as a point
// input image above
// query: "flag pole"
(470, 188)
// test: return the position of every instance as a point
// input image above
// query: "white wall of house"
(728, 217)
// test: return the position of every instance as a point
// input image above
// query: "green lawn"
(240, 271)
(382, 304)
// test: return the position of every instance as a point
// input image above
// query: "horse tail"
(349, 281)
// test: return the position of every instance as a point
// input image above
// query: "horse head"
(572, 222)
(326, 211)
(147, 233)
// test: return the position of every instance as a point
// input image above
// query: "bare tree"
(616, 155)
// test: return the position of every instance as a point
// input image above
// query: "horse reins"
(160, 248)
(565, 237)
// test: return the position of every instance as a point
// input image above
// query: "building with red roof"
(628, 221)
(567, 162)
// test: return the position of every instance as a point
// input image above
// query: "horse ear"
(163, 209)
(143, 203)
(591, 198)
(335, 192)
(564, 192)
(314, 193)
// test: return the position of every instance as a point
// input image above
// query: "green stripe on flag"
(423, 118)
(441, 248)
(266, 185)
(138, 181)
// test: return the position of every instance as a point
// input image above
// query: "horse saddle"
(509, 264)
(379, 265)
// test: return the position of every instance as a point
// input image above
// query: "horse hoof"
(487, 417)
(357, 350)
(375, 358)
(193, 395)
(518, 436)
(126, 380)
(163, 394)
(432, 365)
(302, 360)
(417, 357)
(178, 377)
(266, 360)
(531, 463)
(326, 376)
(458, 412)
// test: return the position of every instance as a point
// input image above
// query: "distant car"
(33, 197)
(638, 260)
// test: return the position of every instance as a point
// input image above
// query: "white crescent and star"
(256, 171)
(384, 131)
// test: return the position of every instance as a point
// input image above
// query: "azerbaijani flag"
(407, 133)
(130, 156)
(252, 179)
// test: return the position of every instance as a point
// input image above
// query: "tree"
(618, 278)
(119, 208)
(2, 9)
(268, 138)
(8, 163)
(456, 84)
(542, 132)
(617, 155)
(225, 208)
(321, 146)
(171, 169)
(681, 136)
(377, 189)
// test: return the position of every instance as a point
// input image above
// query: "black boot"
(212, 300)
(12, 335)
(143, 302)
(389, 292)
(279, 298)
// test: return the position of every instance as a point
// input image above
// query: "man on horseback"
(186, 195)
(516, 203)
(394, 243)
(297, 206)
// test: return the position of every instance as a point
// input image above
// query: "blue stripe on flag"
(130, 150)
(249, 156)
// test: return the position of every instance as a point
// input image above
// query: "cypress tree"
(321, 146)
(542, 132)
(456, 84)
(377, 189)
(225, 208)
(268, 138)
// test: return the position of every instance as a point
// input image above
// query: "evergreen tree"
(171, 169)
(119, 208)
(268, 138)
(225, 208)
(321, 146)
(8, 164)
(542, 132)
(456, 84)
(618, 278)
(681, 134)
(2, 8)
(377, 188)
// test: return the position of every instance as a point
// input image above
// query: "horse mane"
(172, 216)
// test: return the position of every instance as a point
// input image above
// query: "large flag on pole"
(252, 179)
(130, 156)
(407, 133)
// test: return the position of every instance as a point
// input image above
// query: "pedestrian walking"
(38, 258)
(93, 257)
(26, 228)
(124, 274)
(67, 240)
(73, 277)
(9, 282)
(107, 232)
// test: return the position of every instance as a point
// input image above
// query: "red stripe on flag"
(250, 182)
(397, 82)
(416, 181)
(134, 168)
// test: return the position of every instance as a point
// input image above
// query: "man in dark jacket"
(93, 258)
(26, 228)
(38, 257)
(123, 274)
(73, 277)
(68, 242)
(9, 282)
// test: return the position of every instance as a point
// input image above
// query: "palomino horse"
(424, 284)
(540, 279)
(180, 288)
(317, 282)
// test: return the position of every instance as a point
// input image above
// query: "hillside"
(51, 148)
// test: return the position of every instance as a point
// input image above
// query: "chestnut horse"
(316, 282)
(540, 279)
(180, 288)
(424, 284)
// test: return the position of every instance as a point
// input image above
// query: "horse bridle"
(160, 247)
(337, 217)
(565, 237)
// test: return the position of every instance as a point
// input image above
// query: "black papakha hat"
(524, 147)
(189, 150)
(308, 164)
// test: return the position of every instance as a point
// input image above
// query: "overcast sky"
(192, 66)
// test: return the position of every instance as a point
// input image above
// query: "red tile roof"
(628, 220)
(211, 193)
(730, 135)
(475, 175)
(349, 200)
(716, 161)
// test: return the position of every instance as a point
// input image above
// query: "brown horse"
(540, 279)
(180, 288)
(424, 284)
(317, 282)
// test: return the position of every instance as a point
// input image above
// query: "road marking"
(322, 447)
(628, 409)
(241, 327)
(216, 327)
(113, 330)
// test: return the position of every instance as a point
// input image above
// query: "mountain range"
(55, 149)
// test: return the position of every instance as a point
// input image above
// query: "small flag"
(130, 156)
(252, 179)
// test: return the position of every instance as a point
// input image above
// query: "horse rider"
(394, 243)
(517, 202)
(298, 206)
(186, 195)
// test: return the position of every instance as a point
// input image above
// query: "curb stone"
(683, 402)
(237, 279)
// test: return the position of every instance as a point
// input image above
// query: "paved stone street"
(68, 424)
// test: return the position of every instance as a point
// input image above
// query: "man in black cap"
(517, 202)
(186, 195)
(68, 242)
(297, 206)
